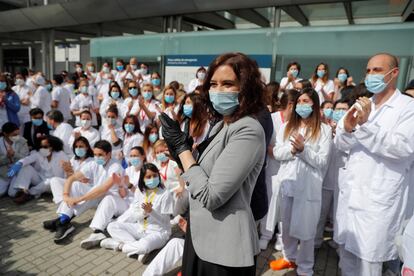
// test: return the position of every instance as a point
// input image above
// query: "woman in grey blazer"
(222, 238)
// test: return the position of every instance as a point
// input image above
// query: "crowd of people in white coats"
(338, 157)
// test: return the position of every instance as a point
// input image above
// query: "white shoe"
(92, 241)
(263, 244)
(279, 243)
(110, 243)
(141, 258)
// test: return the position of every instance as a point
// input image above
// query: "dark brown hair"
(252, 89)
(314, 128)
(199, 115)
(325, 77)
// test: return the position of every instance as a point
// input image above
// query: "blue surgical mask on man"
(37, 122)
(304, 110)
(375, 82)
(338, 114)
(224, 103)
(100, 160)
(328, 113)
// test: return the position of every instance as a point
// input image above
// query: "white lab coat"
(122, 108)
(38, 171)
(62, 96)
(105, 132)
(284, 83)
(130, 141)
(373, 185)
(143, 118)
(63, 131)
(328, 87)
(91, 134)
(301, 177)
(41, 98)
(23, 93)
(82, 102)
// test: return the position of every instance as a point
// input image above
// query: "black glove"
(177, 140)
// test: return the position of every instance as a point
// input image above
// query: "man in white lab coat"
(61, 130)
(379, 133)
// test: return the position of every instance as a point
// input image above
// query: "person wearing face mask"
(378, 133)
(136, 160)
(61, 98)
(156, 83)
(145, 226)
(31, 175)
(111, 130)
(168, 103)
(85, 101)
(116, 98)
(35, 129)
(327, 112)
(132, 102)
(79, 70)
(133, 136)
(222, 180)
(150, 137)
(70, 85)
(193, 118)
(103, 80)
(322, 84)
(24, 92)
(12, 148)
(103, 190)
(82, 155)
(281, 116)
(330, 189)
(342, 80)
(41, 97)
(199, 79)
(9, 103)
(288, 82)
(120, 73)
(148, 107)
(145, 75)
(60, 129)
(133, 72)
(91, 73)
(303, 146)
(85, 129)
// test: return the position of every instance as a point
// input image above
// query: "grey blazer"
(223, 229)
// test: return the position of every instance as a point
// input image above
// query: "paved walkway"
(27, 249)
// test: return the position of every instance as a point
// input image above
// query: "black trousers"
(194, 266)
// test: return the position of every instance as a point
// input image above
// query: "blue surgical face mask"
(135, 161)
(50, 126)
(133, 92)
(188, 110)
(80, 152)
(328, 113)
(112, 121)
(49, 87)
(119, 67)
(100, 160)
(3, 85)
(162, 157)
(115, 94)
(320, 73)
(152, 182)
(338, 114)
(294, 73)
(169, 99)
(342, 77)
(304, 110)
(375, 82)
(156, 82)
(37, 122)
(153, 137)
(129, 128)
(224, 103)
(84, 89)
(147, 95)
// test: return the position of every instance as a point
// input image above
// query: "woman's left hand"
(298, 142)
(147, 207)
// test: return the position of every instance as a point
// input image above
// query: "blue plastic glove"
(14, 169)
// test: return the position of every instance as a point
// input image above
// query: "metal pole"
(44, 52)
(276, 25)
(51, 53)
(29, 50)
(67, 58)
(1, 59)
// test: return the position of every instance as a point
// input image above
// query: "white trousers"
(135, 239)
(56, 186)
(78, 189)
(302, 256)
(352, 265)
(166, 259)
(4, 185)
(27, 178)
(327, 205)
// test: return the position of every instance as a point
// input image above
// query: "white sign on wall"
(71, 51)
